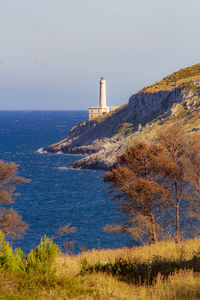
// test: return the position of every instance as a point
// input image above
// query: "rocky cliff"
(176, 97)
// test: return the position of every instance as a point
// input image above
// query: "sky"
(53, 52)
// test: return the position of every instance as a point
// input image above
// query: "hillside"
(175, 98)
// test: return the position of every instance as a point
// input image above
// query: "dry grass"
(67, 284)
(183, 78)
(182, 285)
(168, 250)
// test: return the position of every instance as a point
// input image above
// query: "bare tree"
(173, 140)
(158, 186)
(137, 184)
(10, 222)
(192, 173)
(192, 177)
(184, 184)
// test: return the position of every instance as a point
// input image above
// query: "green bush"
(9, 259)
(38, 260)
(85, 266)
(41, 258)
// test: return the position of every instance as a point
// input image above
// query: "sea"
(56, 194)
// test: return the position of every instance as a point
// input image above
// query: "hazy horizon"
(53, 54)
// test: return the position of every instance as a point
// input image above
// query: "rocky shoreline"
(101, 140)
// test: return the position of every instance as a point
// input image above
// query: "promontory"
(176, 98)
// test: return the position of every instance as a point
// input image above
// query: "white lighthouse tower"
(102, 96)
(96, 111)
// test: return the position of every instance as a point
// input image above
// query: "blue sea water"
(56, 195)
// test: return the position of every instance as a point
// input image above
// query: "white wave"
(59, 152)
(70, 154)
(75, 169)
(68, 168)
(41, 151)
(62, 168)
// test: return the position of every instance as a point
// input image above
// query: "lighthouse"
(96, 111)
(102, 94)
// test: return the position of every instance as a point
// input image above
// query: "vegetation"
(165, 270)
(135, 186)
(10, 222)
(185, 78)
(157, 187)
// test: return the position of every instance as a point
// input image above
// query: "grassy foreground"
(174, 268)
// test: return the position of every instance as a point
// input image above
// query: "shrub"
(121, 268)
(41, 258)
(9, 259)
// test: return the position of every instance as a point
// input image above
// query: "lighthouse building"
(96, 111)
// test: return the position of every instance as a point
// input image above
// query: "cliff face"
(104, 138)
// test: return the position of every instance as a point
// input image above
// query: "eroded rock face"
(104, 140)
(144, 107)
